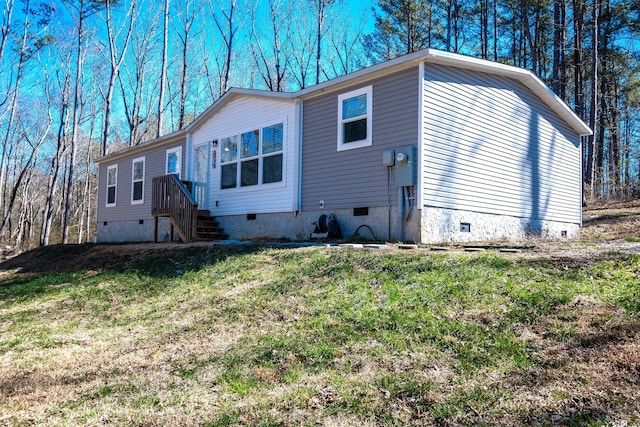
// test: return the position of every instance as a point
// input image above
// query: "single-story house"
(428, 147)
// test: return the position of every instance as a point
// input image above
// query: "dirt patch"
(67, 258)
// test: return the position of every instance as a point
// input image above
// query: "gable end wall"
(491, 146)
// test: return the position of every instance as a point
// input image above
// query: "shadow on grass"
(159, 260)
(609, 218)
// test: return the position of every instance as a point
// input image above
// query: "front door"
(201, 175)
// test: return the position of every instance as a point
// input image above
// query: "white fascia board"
(364, 74)
(164, 139)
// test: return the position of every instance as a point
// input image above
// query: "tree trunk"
(75, 129)
(590, 173)
(558, 74)
(321, 5)
(163, 69)
(13, 109)
(5, 28)
(115, 61)
(533, 46)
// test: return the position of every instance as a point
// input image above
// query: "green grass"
(270, 337)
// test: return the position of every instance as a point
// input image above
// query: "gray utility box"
(406, 166)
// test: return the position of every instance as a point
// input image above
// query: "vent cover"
(361, 211)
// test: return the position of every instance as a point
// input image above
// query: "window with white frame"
(252, 158)
(112, 184)
(354, 118)
(137, 181)
(174, 161)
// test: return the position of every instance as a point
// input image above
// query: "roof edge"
(399, 62)
(164, 139)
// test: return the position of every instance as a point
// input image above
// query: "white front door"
(201, 175)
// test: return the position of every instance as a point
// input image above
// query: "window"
(112, 183)
(249, 163)
(137, 181)
(174, 161)
(229, 154)
(272, 138)
(252, 158)
(354, 118)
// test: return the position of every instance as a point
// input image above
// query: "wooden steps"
(208, 228)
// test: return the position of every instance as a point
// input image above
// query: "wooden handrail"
(171, 198)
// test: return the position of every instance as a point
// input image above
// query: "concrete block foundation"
(458, 226)
(298, 226)
(133, 231)
(429, 225)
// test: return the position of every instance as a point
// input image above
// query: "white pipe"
(400, 212)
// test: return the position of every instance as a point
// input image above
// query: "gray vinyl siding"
(357, 178)
(492, 146)
(155, 163)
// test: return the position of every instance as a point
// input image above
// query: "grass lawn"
(316, 336)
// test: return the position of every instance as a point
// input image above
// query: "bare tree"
(225, 20)
(526, 26)
(28, 44)
(136, 93)
(63, 88)
(183, 22)
(5, 27)
(80, 11)
(320, 10)
(270, 49)
(345, 40)
(32, 136)
(163, 69)
(115, 56)
(302, 44)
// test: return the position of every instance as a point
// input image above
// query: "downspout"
(298, 179)
(389, 203)
(421, 135)
(400, 213)
(422, 139)
(188, 161)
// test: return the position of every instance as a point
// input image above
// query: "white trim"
(115, 185)
(133, 179)
(421, 136)
(177, 150)
(259, 157)
(188, 161)
(297, 156)
(342, 146)
(203, 204)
